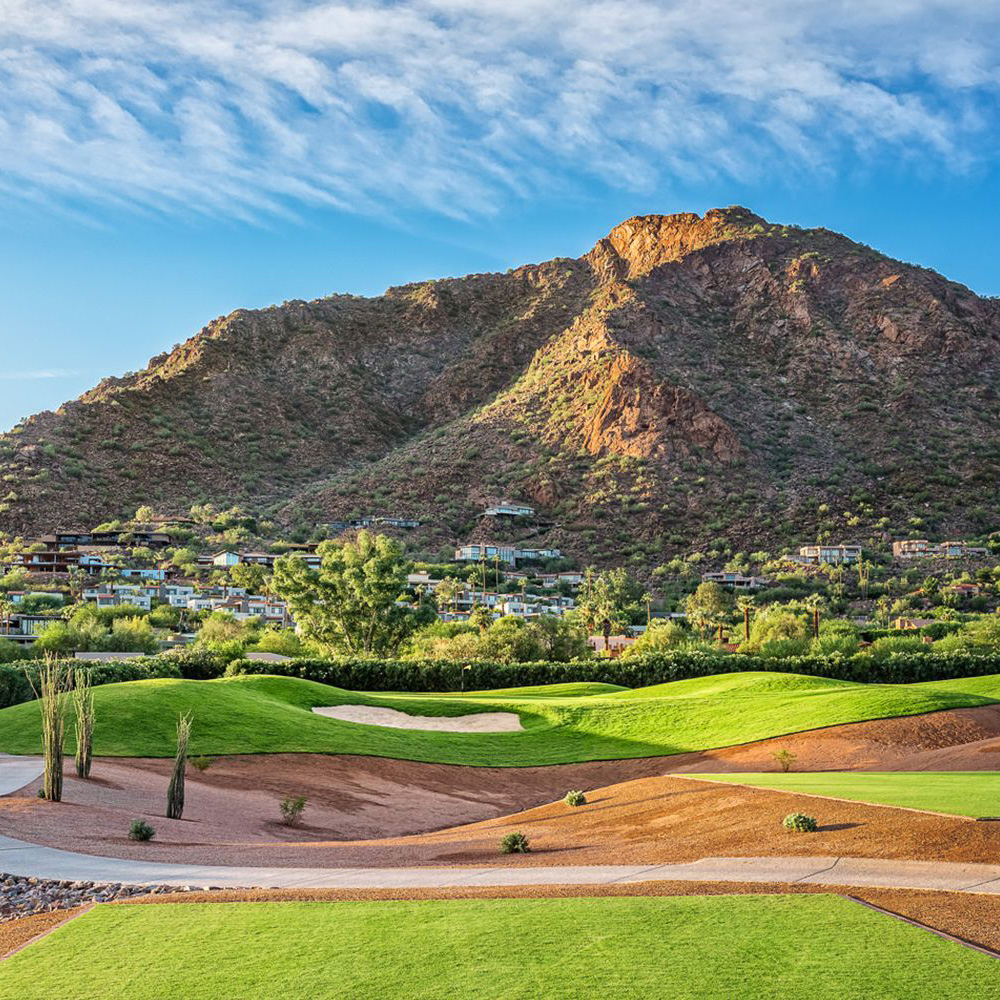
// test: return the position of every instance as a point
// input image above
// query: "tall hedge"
(656, 668)
(15, 686)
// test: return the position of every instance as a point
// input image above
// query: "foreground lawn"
(961, 793)
(822, 947)
(567, 723)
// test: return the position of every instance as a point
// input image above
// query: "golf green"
(960, 793)
(563, 724)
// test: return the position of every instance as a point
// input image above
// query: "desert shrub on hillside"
(292, 807)
(575, 798)
(514, 843)
(800, 823)
(139, 829)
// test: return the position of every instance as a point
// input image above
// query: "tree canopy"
(355, 601)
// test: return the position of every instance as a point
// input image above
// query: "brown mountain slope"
(689, 379)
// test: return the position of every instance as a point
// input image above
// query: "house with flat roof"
(735, 580)
(832, 555)
(509, 508)
(921, 548)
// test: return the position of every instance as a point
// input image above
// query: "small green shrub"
(575, 798)
(785, 759)
(292, 807)
(140, 830)
(800, 823)
(514, 843)
(201, 764)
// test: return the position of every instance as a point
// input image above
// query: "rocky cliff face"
(689, 379)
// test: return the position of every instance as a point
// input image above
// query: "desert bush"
(514, 843)
(785, 758)
(800, 823)
(575, 798)
(139, 829)
(202, 764)
(292, 807)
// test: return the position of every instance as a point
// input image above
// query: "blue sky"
(164, 163)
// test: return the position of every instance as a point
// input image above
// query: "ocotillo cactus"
(175, 793)
(51, 684)
(83, 703)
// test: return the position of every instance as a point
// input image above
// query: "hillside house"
(912, 624)
(226, 559)
(474, 553)
(831, 555)
(921, 548)
(508, 508)
(735, 580)
(508, 554)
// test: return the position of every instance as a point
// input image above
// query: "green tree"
(612, 597)
(354, 602)
(252, 577)
(658, 638)
(708, 606)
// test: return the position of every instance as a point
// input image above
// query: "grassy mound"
(959, 793)
(262, 714)
(823, 947)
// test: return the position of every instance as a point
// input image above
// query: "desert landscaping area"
(696, 841)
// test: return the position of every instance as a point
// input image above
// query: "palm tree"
(746, 604)
(813, 602)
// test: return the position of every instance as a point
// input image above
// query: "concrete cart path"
(20, 858)
(16, 772)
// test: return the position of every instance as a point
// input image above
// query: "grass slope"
(823, 947)
(262, 714)
(960, 793)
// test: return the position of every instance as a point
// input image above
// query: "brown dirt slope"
(704, 376)
(374, 811)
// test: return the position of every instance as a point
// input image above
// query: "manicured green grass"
(261, 714)
(710, 948)
(960, 793)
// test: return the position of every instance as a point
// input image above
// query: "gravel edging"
(22, 896)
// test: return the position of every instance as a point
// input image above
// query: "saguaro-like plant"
(52, 682)
(83, 704)
(175, 792)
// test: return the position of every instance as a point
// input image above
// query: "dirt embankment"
(375, 811)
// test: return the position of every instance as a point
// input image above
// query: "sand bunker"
(480, 722)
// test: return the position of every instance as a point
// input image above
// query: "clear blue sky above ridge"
(162, 164)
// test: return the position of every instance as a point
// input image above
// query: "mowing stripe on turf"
(925, 927)
(818, 795)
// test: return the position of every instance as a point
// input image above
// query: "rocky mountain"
(690, 382)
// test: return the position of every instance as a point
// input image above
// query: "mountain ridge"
(689, 378)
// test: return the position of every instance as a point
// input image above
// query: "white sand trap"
(481, 722)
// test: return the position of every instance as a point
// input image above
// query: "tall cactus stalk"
(175, 792)
(83, 703)
(52, 682)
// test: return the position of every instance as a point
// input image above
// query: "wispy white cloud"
(31, 376)
(223, 107)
